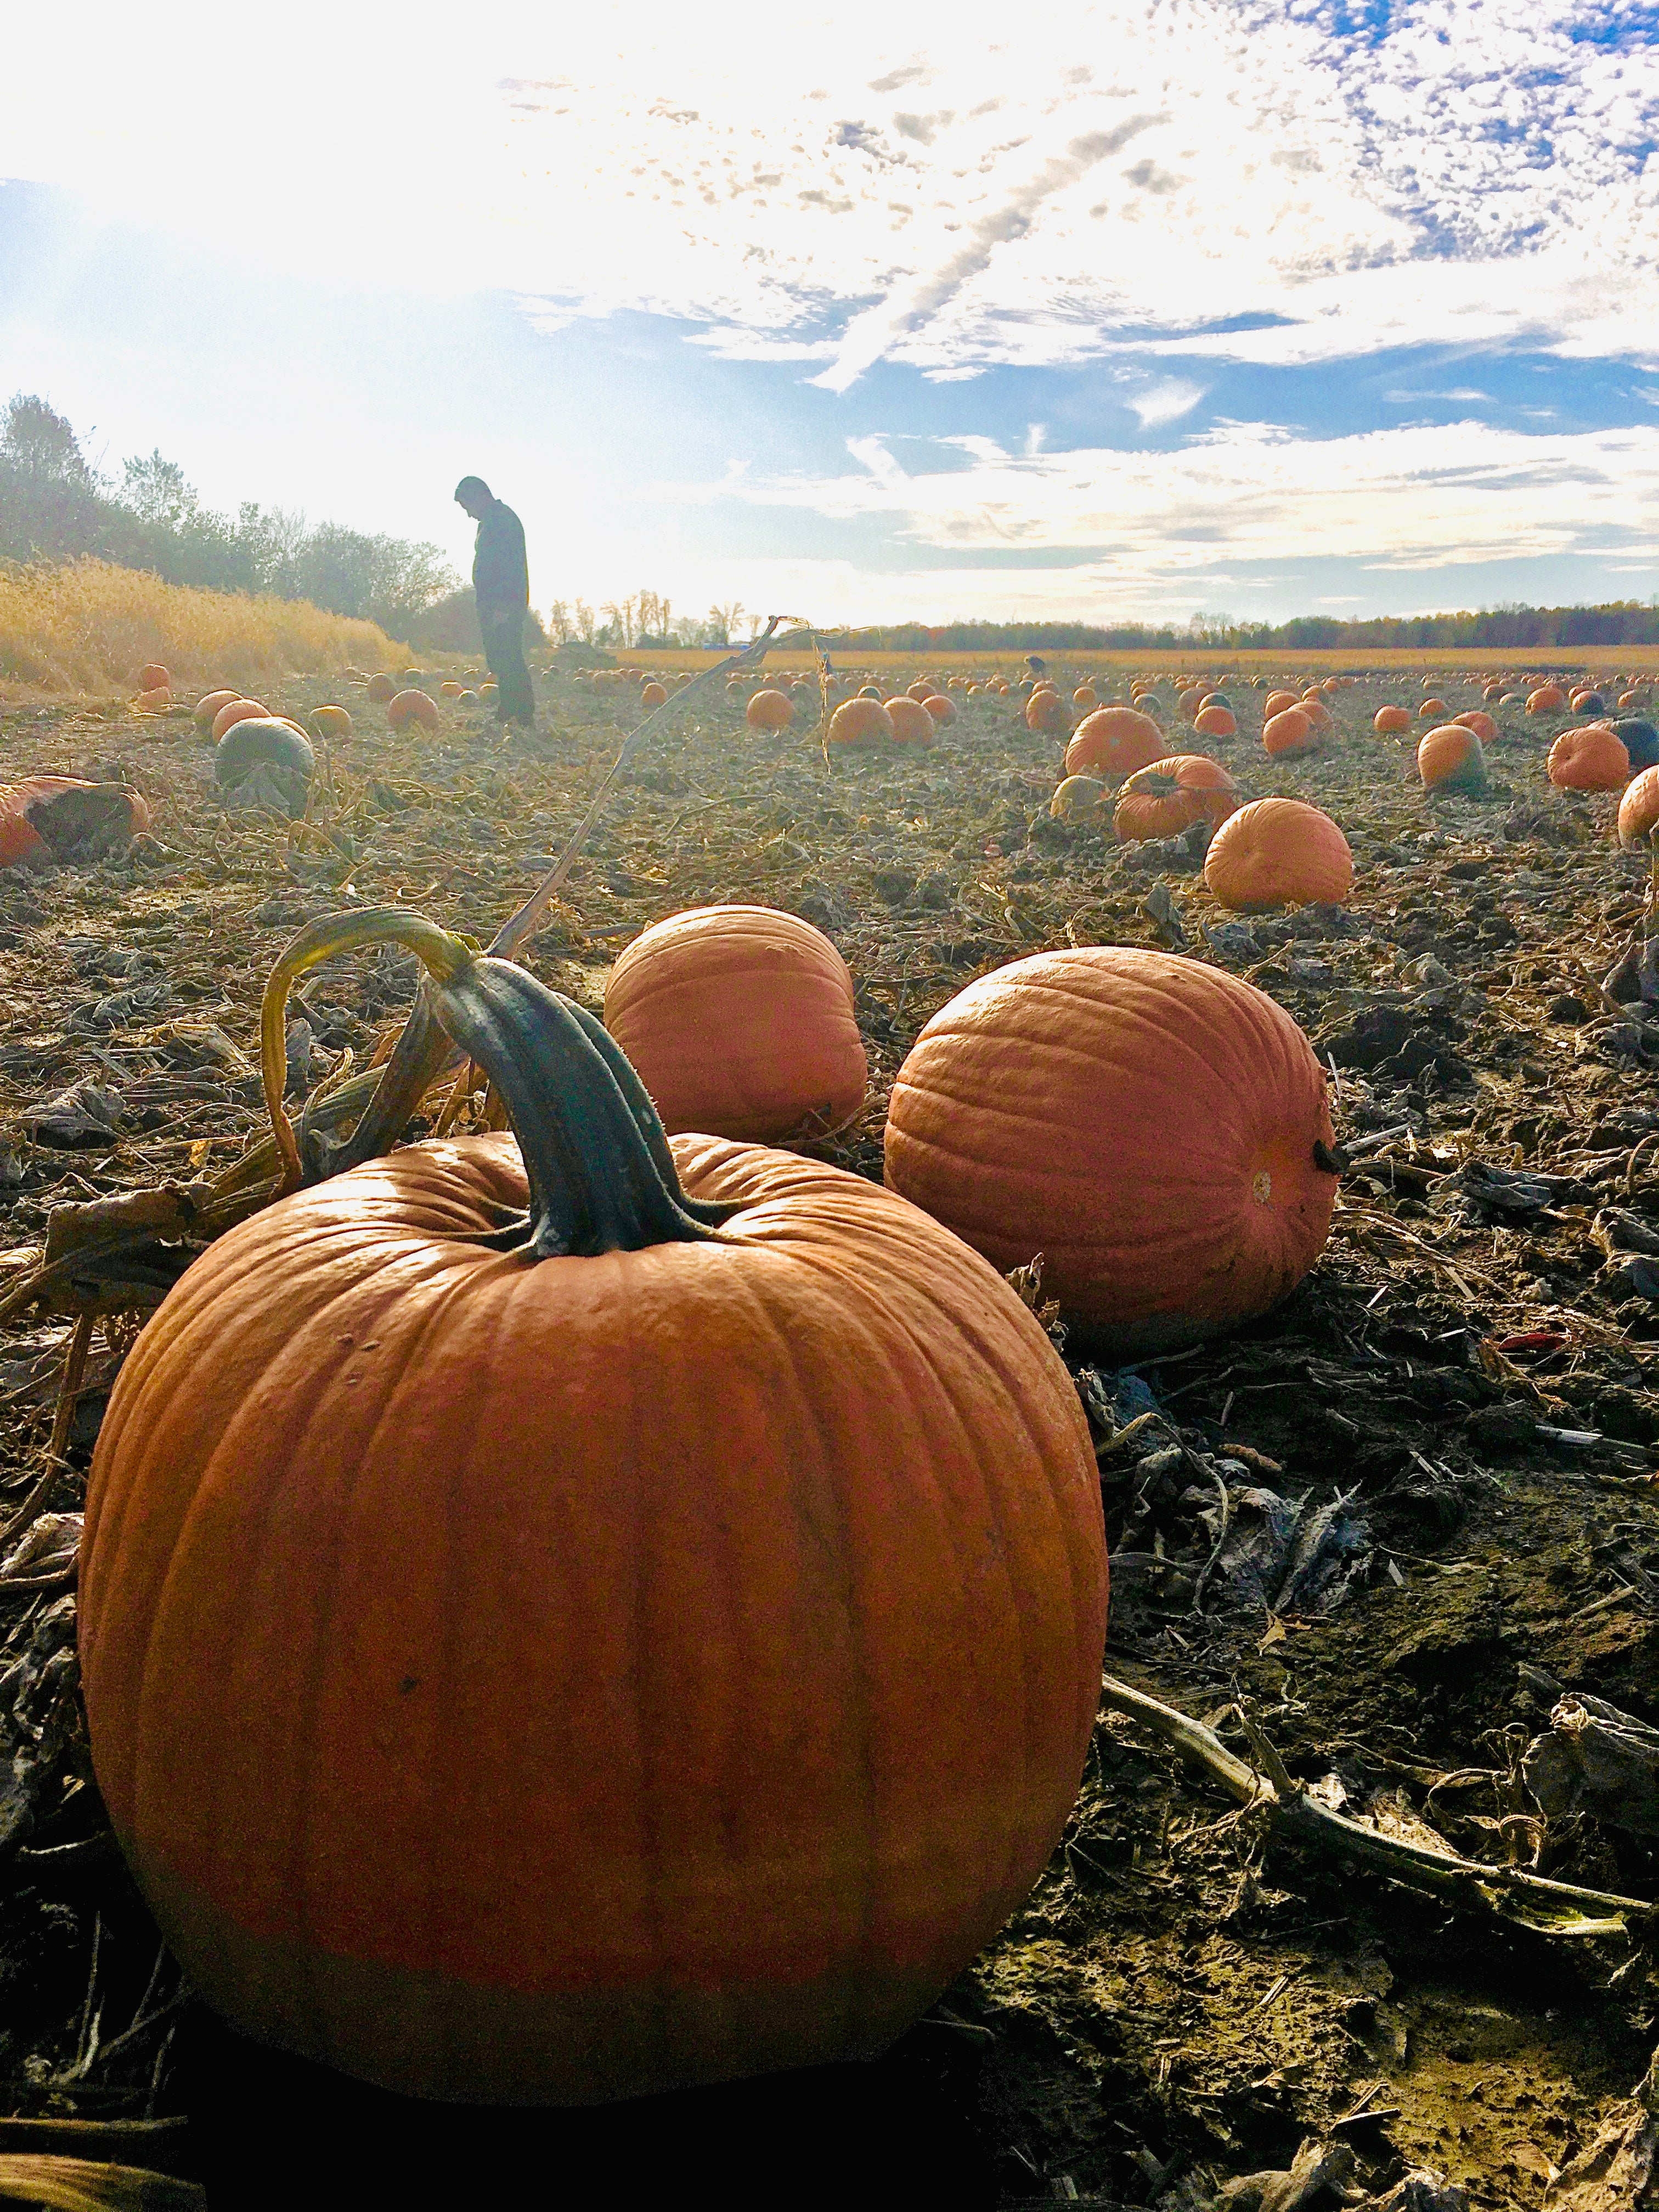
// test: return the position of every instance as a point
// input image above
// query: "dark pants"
(503, 645)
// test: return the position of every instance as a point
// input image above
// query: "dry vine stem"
(117, 1254)
(1553, 1908)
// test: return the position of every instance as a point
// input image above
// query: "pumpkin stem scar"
(601, 1175)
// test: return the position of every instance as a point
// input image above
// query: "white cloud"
(1423, 498)
(1165, 403)
(1132, 173)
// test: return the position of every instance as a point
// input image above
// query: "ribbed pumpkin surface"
(739, 1019)
(549, 1683)
(1145, 1123)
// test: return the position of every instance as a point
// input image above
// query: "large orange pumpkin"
(1045, 710)
(1451, 759)
(1170, 796)
(49, 818)
(769, 710)
(553, 1657)
(1589, 758)
(1278, 852)
(740, 1022)
(860, 721)
(1639, 809)
(1115, 741)
(1147, 1123)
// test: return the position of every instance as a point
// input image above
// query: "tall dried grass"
(91, 627)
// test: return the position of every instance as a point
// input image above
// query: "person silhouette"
(501, 584)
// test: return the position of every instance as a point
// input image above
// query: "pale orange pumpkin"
(237, 710)
(912, 723)
(860, 721)
(1388, 721)
(770, 710)
(1289, 731)
(381, 689)
(411, 707)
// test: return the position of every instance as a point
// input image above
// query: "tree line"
(1508, 629)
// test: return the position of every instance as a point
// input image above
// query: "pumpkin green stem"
(601, 1175)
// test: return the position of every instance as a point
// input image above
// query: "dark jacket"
(501, 574)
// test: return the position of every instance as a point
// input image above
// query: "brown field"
(1212, 662)
(1469, 1384)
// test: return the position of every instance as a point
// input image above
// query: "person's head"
(473, 493)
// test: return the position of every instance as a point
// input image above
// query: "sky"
(1115, 312)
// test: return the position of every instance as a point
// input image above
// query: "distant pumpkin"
(237, 710)
(1483, 725)
(152, 677)
(1215, 721)
(411, 707)
(335, 722)
(1388, 721)
(1547, 699)
(942, 709)
(770, 711)
(208, 705)
(860, 721)
(1289, 731)
(1433, 710)
(380, 689)
(1278, 852)
(1451, 759)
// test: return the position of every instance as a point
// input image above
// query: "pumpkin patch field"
(564, 1623)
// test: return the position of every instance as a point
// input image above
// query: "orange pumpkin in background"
(408, 708)
(653, 695)
(1388, 721)
(1045, 711)
(860, 721)
(1166, 799)
(1278, 852)
(1113, 742)
(942, 709)
(235, 711)
(1148, 1123)
(1547, 699)
(1433, 710)
(152, 677)
(912, 723)
(1086, 696)
(740, 1022)
(381, 689)
(1589, 758)
(770, 710)
(208, 706)
(1277, 701)
(1451, 759)
(1215, 722)
(334, 722)
(1483, 725)
(1289, 731)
